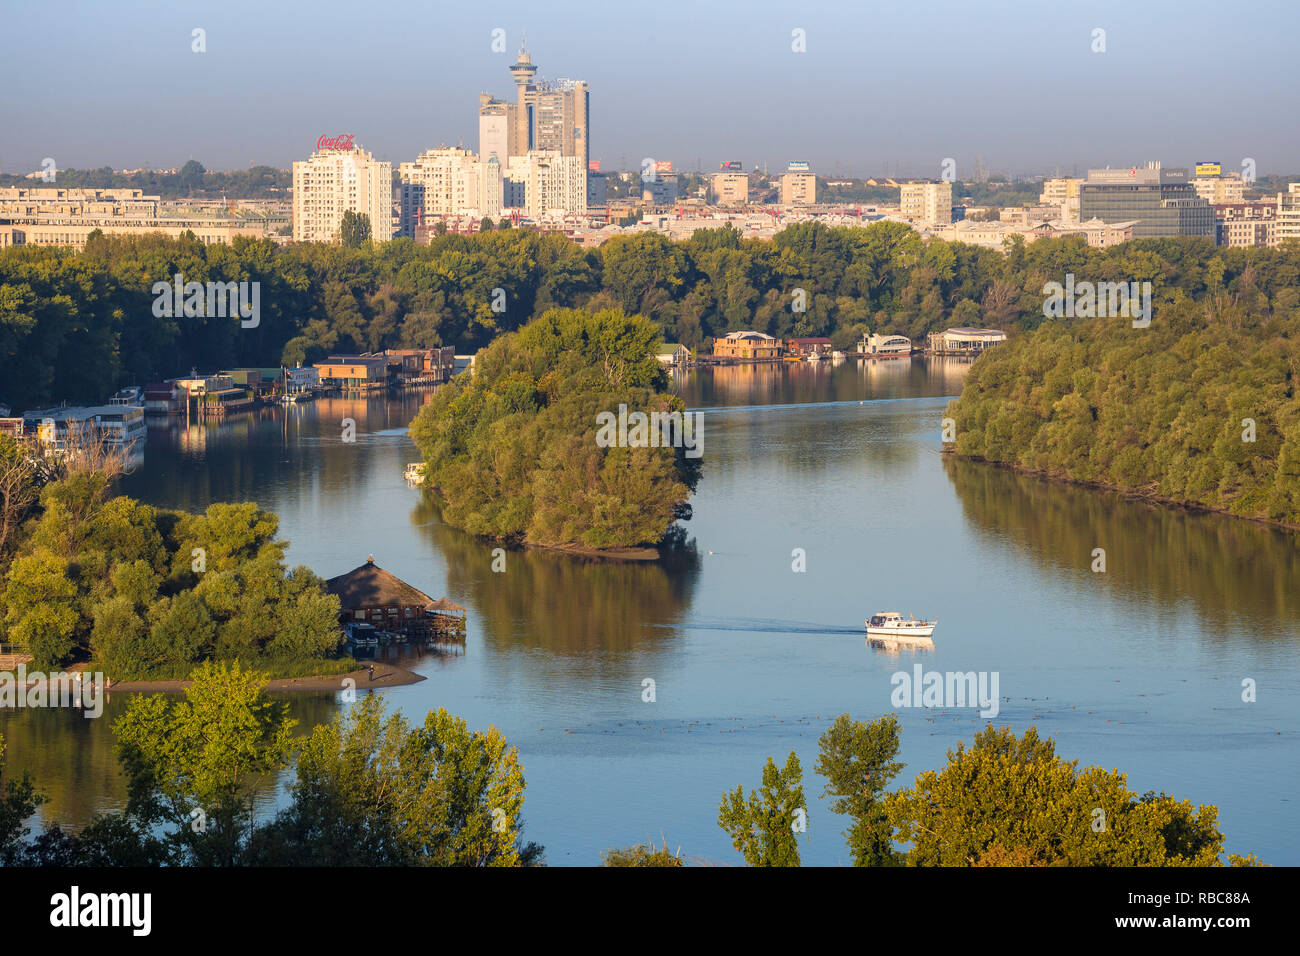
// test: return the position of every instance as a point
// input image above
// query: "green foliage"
(1158, 411)
(208, 752)
(354, 229)
(18, 801)
(512, 449)
(762, 827)
(1009, 801)
(148, 592)
(642, 855)
(371, 790)
(57, 306)
(857, 760)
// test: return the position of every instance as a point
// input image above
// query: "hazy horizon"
(890, 92)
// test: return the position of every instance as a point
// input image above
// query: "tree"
(190, 177)
(18, 801)
(354, 229)
(1009, 801)
(857, 760)
(192, 766)
(764, 828)
(372, 790)
(19, 490)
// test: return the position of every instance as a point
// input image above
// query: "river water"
(1139, 667)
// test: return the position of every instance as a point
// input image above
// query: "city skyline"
(886, 93)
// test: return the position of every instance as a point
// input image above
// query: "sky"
(880, 89)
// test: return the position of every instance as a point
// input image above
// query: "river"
(1139, 667)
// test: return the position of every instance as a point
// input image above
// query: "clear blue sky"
(93, 83)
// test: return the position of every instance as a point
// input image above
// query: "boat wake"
(762, 626)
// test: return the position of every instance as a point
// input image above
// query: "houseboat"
(114, 424)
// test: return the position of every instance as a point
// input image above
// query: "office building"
(1162, 201)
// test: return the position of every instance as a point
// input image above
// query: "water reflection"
(802, 382)
(73, 759)
(590, 609)
(1231, 571)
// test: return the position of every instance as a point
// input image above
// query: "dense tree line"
(1201, 407)
(513, 451)
(368, 789)
(191, 180)
(77, 325)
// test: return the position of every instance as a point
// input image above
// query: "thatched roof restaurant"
(371, 594)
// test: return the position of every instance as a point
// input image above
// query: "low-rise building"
(673, 354)
(886, 345)
(747, 346)
(964, 341)
(815, 346)
(353, 371)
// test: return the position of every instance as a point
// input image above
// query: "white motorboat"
(892, 626)
(414, 473)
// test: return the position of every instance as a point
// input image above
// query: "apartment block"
(798, 188)
(1063, 193)
(546, 183)
(1288, 214)
(730, 188)
(335, 181)
(927, 203)
(449, 181)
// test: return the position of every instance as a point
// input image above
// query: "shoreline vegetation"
(384, 675)
(1198, 411)
(513, 454)
(318, 299)
(146, 594)
(1146, 497)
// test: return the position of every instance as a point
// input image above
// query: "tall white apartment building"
(448, 181)
(335, 181)
(929, 203)
(546, 183)
(1288, 214)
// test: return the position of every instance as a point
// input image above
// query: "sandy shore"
(385, 675)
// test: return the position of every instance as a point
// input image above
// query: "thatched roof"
(370, 586)
(442, 604)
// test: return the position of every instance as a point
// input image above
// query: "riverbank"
(1193, 507)
(383, 676)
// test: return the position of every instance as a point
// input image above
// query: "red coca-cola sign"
(341, 141)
